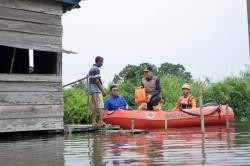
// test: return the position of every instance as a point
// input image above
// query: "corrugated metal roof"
(70, 1)
(69, 4)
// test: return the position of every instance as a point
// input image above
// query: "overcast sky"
(209, 37)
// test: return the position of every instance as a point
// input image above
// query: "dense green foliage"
(76, 109)
(234, 91)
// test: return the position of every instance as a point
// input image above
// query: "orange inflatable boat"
(142, 119)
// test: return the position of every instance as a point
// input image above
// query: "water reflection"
(182, 146)
(32, 151)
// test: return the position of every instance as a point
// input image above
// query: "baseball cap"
(149, 68)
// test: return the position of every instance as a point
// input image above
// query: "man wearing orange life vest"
(186, 101)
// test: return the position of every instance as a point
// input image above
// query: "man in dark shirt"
(153, 88)
(115, 102)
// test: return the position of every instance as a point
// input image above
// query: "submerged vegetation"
(233, 90)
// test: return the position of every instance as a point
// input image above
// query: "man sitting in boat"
(115, 102)
(152, 87)
(186, 101)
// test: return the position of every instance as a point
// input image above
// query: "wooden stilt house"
(31, 50)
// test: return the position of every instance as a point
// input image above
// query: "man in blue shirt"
(96, 90)
(115, 101)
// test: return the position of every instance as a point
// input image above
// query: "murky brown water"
(186, 146)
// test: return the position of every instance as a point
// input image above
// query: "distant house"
(31, 50)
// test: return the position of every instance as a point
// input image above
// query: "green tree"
(177, 70)
(132, 74)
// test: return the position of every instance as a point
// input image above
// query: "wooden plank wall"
(41, 6)
(31, 24)
(30, 102)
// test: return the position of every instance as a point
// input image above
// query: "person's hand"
(148, 98)
(162, 100)
(104, 94)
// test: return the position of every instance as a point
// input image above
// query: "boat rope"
(211, 113)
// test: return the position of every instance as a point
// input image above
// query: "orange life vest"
(186, 102)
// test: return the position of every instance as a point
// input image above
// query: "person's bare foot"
(102, 124)
(94, 124)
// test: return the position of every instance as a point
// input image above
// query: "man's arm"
(97, 76)
(99, 84)
(158, 88)
(142, 84)
(158, 85)
(106, 105)
(178, 105)
(125, 103)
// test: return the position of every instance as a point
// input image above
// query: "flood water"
(183, 146)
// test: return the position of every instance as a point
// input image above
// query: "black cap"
(149, 68)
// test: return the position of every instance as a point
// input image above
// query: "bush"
(171, 90)
(76, 108)
(233, 91)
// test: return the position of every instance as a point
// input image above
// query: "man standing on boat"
(96, 90)
(115, 101)
(186, 101)
(153, 89)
